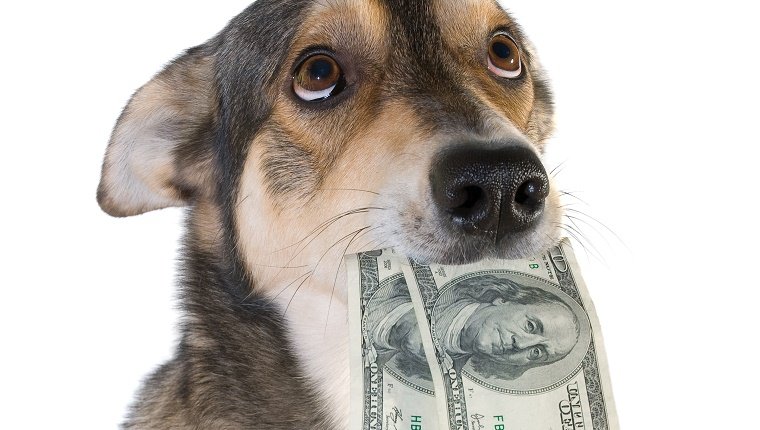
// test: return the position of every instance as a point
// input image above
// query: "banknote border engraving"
(372, 376)
(456, 410)
(594, 391)
(409, 384)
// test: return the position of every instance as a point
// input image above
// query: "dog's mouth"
(482, 202)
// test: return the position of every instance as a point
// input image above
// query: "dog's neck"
(311, 300)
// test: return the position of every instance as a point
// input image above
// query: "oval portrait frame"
(538, 379)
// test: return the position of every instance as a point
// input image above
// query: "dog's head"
(311, 128)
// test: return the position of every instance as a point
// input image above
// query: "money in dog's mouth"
(497, 357)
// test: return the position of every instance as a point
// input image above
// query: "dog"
(306, 130)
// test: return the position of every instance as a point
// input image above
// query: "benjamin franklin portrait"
(499, 326)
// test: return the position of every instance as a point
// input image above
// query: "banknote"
(391, 383)
(512, 344)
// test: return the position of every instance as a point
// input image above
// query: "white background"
(657, 126)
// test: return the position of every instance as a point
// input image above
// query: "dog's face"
(309, 129)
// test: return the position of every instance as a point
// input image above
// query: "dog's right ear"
(159, 154)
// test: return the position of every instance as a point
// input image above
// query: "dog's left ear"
(159, 154)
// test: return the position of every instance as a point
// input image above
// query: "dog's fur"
(278, 189)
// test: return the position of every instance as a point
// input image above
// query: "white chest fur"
(320, 343)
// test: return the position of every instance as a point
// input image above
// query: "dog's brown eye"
(504, 57)
(318, 78)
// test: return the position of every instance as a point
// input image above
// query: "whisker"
(373, 244)
(303, 248)
(336, 244)
(296, 291)
(601, 224)
(242, 201)
(278, 267)
(570, 194)
(586, 238)
(558, 169)
(307, 274)
(369, 244)
(552, 241)
(314, 269)
(573, 220)
(580, 237)
(349, 189)
(364, 233)
(337, 272)
(325, 225)
(575, 238)
(330, 221)
(412, 154)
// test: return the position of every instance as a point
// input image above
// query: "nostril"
(530, 193)
(473, 195)
(469, 204)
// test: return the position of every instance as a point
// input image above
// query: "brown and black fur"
(233, 367)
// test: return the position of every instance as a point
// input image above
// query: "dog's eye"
(504, 57)
(318, 78)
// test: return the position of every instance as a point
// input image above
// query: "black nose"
(488, 191)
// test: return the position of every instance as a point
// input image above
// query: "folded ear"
(159, 154)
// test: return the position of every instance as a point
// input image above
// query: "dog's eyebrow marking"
(347, 24)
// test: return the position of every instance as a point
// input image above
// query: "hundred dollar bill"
(513, 344)
(391, 383)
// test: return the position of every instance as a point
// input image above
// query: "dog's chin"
(466, 250)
